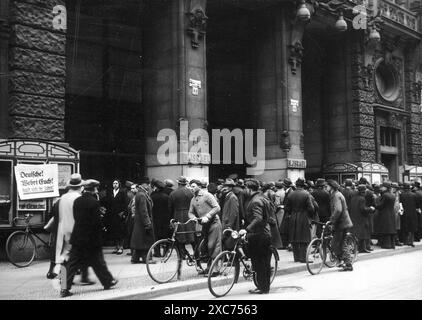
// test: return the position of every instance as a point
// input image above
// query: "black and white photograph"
(212, 155)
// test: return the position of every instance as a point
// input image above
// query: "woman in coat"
(143, 230)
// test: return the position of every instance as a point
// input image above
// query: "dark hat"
(363, 180)
(386, 184)
(212, 187)
(233, 176)
(182, 180)
(417, 184)
(300, 182)
(287, 182)
(159, 184)
(220, 181)
(394, 185)
(75, 181)
(253, 183)
(406, 185)
(196, 181)
(361, 187)
(333, 183)
(169, 183)
(348, 183)
(128, 184)
(320, 182)
(229, 182)
(91, 184)
(144, 180)
(376, 186)
(240, 183)
(279, 184)
(310, 183)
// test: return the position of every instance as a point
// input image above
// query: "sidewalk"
(30, 283)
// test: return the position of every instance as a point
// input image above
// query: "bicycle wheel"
(20, 249)
(330, 260)
(314, 256)
(273, 266)
(223, 274)
(352, 246)
(163, 261)
(201, 254)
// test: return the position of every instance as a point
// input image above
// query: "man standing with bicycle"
(205, 207)
(258, 236)
(341, 223)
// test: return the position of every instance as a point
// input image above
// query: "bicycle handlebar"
(174, 221)
(321, 223)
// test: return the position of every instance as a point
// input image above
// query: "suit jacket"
(339, 213)
(385, 219)
(230, 212)
(322, 197)
(255, 219)
(143, 231)
(300, 208)
(87, 230)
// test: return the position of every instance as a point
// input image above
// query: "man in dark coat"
(239, 192)
(169, 185)
(160, 212)
(418, 193)
(409, 219)
(258, 235)
(322, 197)
(284, 229)
(370, 202)
(86, 240)
(179, 204)
(359, 214)
(385, 221)
(269, 196)
(230, 209)
(143, 230)
(300, 209)
(348, 191)
(341, 223)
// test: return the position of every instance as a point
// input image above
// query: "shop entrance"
(390, 162)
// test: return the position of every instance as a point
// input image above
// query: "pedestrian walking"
(86, 240)
(300, 209)
(143, 229)
(116, 216)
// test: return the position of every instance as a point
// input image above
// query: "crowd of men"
(278, 214)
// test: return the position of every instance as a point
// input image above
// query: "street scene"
(210, 150)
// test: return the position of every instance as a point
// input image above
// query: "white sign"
(37, 181)
(196, 85)
(32, 205)
(294, 104)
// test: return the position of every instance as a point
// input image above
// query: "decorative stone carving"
(296, 54)
(198, 22)
(285, 141)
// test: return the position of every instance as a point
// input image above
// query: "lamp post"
(303, 13)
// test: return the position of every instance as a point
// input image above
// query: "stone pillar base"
(276, 169)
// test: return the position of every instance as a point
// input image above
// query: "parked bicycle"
(225, 268)
(320, 251)
(21, 248)
(164, 258)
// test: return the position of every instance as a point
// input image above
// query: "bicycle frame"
(28, 230)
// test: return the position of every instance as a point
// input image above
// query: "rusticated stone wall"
(363, 118)
(37, 66)
(413, 105)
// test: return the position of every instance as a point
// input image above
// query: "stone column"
(175, 84)
(278, 92)
(37, 69)
(4, 68)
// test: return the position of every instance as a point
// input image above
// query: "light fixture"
(374, 35)
(303, 12)
(341, 24)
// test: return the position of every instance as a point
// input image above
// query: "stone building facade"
(106, 76)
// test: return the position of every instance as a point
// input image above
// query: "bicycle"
(320, 252)
(21, 248)
(225, 268)
(164, 266)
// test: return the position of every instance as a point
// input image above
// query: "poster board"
(35, 181)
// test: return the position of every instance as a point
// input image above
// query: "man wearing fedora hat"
(322, 198)
(341, 223)
(86, 239)
(230, 209)
(409, 219)
(385, 220)
(284, 228)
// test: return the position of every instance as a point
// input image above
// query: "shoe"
(370, 249)
(203, 272)
(87, 282)
(135, 261)
(119, 252)
(214, 274)
(399, 244)
(51, 275)
(346, 268)
(257, 291)
(364, 251)
(111, 284)
(65, 293)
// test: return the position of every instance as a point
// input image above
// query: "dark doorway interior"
(390, 162)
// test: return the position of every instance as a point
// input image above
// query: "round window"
(387, 81)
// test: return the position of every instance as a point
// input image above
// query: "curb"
(197, 284)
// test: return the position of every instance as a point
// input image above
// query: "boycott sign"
(37, 181)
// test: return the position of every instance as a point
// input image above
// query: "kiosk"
(373, 172)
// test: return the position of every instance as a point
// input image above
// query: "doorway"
(390, 162)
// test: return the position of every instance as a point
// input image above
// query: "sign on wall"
(37, 181)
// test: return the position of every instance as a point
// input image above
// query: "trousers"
(259, 249)
(341, 250)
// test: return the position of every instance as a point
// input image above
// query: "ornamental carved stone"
(296, 54)
(198, 22)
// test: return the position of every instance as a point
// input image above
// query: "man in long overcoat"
(370, 202)
(386, 218)
(160, 211)
(284, 228)
(359, 214)
(348, 191)
(230, 209)
(86, 239)
(143, 229)
(418, 193)
(300, 209)
(409, 219)
(116, 216)
(179, 203)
